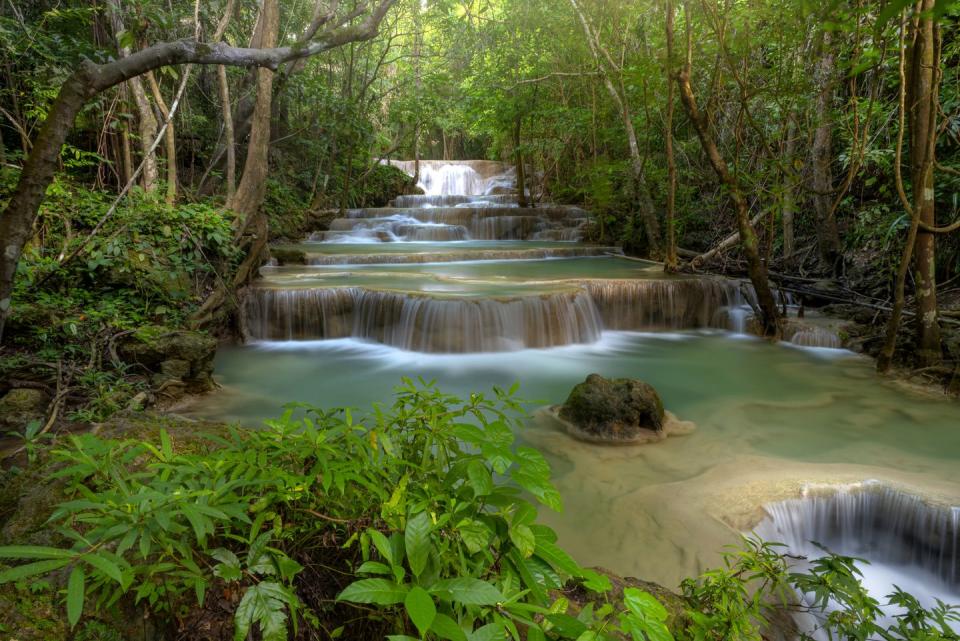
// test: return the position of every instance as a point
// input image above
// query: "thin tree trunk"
(228, 134)
(170, 139)
(521, 174)
(670, 257)
(757, 271)
(923, 99)
(146, 121)
(788, 201)
(647, 211)
(828, 238)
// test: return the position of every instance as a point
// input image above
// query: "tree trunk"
(828, 239)
(521, 174)
(253, 183)
(670, 256)
(648, 212)
(170, 139)
(769, 315)
(923, 100)
(788, 202)
(146, 121)
(228, 134)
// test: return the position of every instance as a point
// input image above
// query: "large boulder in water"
(613, 410)
(179, 361)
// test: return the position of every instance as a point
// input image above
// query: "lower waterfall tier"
(456, 324)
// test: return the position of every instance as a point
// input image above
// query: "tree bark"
(16, 219)
(146, 121)
(253, 183)
(228, 133)
(923, 101)
(521, 174)
(828, 238)
(757, 271)
(670, 256)
(169, 138)
(788, 202)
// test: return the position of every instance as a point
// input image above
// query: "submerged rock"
(618, 410)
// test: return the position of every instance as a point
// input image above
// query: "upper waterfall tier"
(461, 177)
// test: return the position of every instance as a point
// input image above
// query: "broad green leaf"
(468, 591)
(420, 608)
(560, 560)
(523, 538)
(480, 478)
(76, 585)
(416, 538)
(264, 604)
(373, 567)
(446, 628)
(644, 604)
(379, 591)
(489, 632)
(567, 625)
(475, 535)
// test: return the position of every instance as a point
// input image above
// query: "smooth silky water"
(799, 442)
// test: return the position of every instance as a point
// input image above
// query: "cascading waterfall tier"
(459, 177)
(422, 323)
(874, 521)
(522, 253)
(427, 323)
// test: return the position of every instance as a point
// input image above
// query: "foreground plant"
(417, 522)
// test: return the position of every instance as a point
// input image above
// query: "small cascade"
(419, 322)
(909, 542)
(663, 304)
(452, 200)
(816, 337)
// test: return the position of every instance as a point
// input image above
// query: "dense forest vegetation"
(151, 151)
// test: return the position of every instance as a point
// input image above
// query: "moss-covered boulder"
(179, 361)
(579, 597)
(288, 255)
(613, 410)
(19, 406)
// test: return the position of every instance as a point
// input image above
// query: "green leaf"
(105, 565)
(644, 604)
(489, 632)
(379, 591)
(446, 628)
(420, 608)
(373, 567)
(31, 569)
(264, 604)
(560, 560)
(475, 535)
(416, 539)
(34, 552)
(166, 447)
(480, 478)
(75, 593)
(567, 625)
(468, 591)
(522, 537)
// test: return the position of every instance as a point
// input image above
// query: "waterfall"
(448, 256)
(419, 322)
(426, 323)
(460, 177)
(816, 337)
(688, 303)
(908, 541)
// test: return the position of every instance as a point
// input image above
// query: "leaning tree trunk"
(828, 238)
(670, 257)
(170, 139)
(923, 101)
(769, 315)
